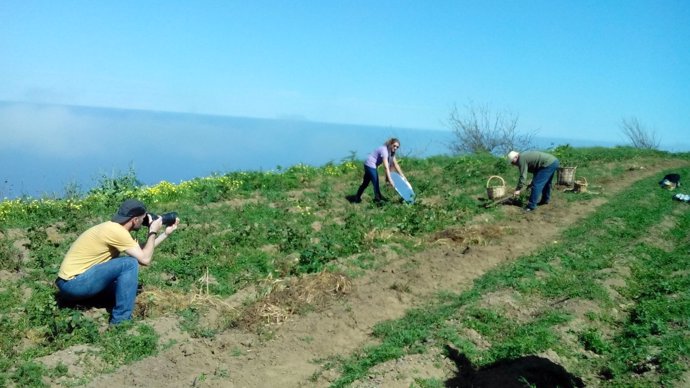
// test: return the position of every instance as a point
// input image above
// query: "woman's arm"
(397, 168)
(388, 172)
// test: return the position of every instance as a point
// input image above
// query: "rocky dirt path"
(295, 353)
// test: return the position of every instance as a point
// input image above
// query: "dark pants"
(541, 185)
(370, 175)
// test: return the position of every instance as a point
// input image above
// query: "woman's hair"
(390, 142)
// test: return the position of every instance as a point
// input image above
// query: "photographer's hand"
(156, 226)
(172, 227)
(168, 231)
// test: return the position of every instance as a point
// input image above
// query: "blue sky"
(570, 69)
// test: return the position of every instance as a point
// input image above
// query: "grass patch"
(648, 346)
(242, 228)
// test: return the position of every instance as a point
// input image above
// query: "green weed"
(126, 343)
(29, 374)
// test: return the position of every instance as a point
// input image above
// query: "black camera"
(168, 218)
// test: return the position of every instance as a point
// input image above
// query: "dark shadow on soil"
(505, 201)
(528, 371)
(104, 300)
(101, 301)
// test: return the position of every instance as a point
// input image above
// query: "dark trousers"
(541, 185)
(371, 175)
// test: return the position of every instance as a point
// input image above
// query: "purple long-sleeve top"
(377, 157)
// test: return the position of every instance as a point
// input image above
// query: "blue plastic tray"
(403, 187)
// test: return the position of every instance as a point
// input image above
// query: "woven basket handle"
(503, 183)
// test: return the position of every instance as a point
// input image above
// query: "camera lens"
(169, 218)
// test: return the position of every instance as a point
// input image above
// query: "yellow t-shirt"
(97, 245)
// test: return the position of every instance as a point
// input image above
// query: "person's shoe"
(528, 210)
(380, 201)
(353, 199)
(542, 203)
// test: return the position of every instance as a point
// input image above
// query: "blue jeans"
(541, 185)
(370, 175)
(116, 277)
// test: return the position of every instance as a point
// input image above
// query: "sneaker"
(381, 199)
(353, 199)
(542, 203)
(528, 210)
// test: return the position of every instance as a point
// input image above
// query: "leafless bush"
(478, 129)
(639, 136)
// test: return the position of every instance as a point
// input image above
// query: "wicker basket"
(494, 192)
(580, 185)
(566, 176)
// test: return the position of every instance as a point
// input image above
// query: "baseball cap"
(129, 208)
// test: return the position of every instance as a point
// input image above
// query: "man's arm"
(144, 253)
(523, 175)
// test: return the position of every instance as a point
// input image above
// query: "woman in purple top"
(385, 155)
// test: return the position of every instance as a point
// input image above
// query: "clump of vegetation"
(638, 135)
(480, 130)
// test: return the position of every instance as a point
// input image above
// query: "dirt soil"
(292, 353)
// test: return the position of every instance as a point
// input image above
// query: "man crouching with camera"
(93, 265)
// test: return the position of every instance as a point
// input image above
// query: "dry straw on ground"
(291, 296)
(157, 302)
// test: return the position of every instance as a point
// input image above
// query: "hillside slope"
(299, 347)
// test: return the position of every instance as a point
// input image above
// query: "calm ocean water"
(47, 148)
